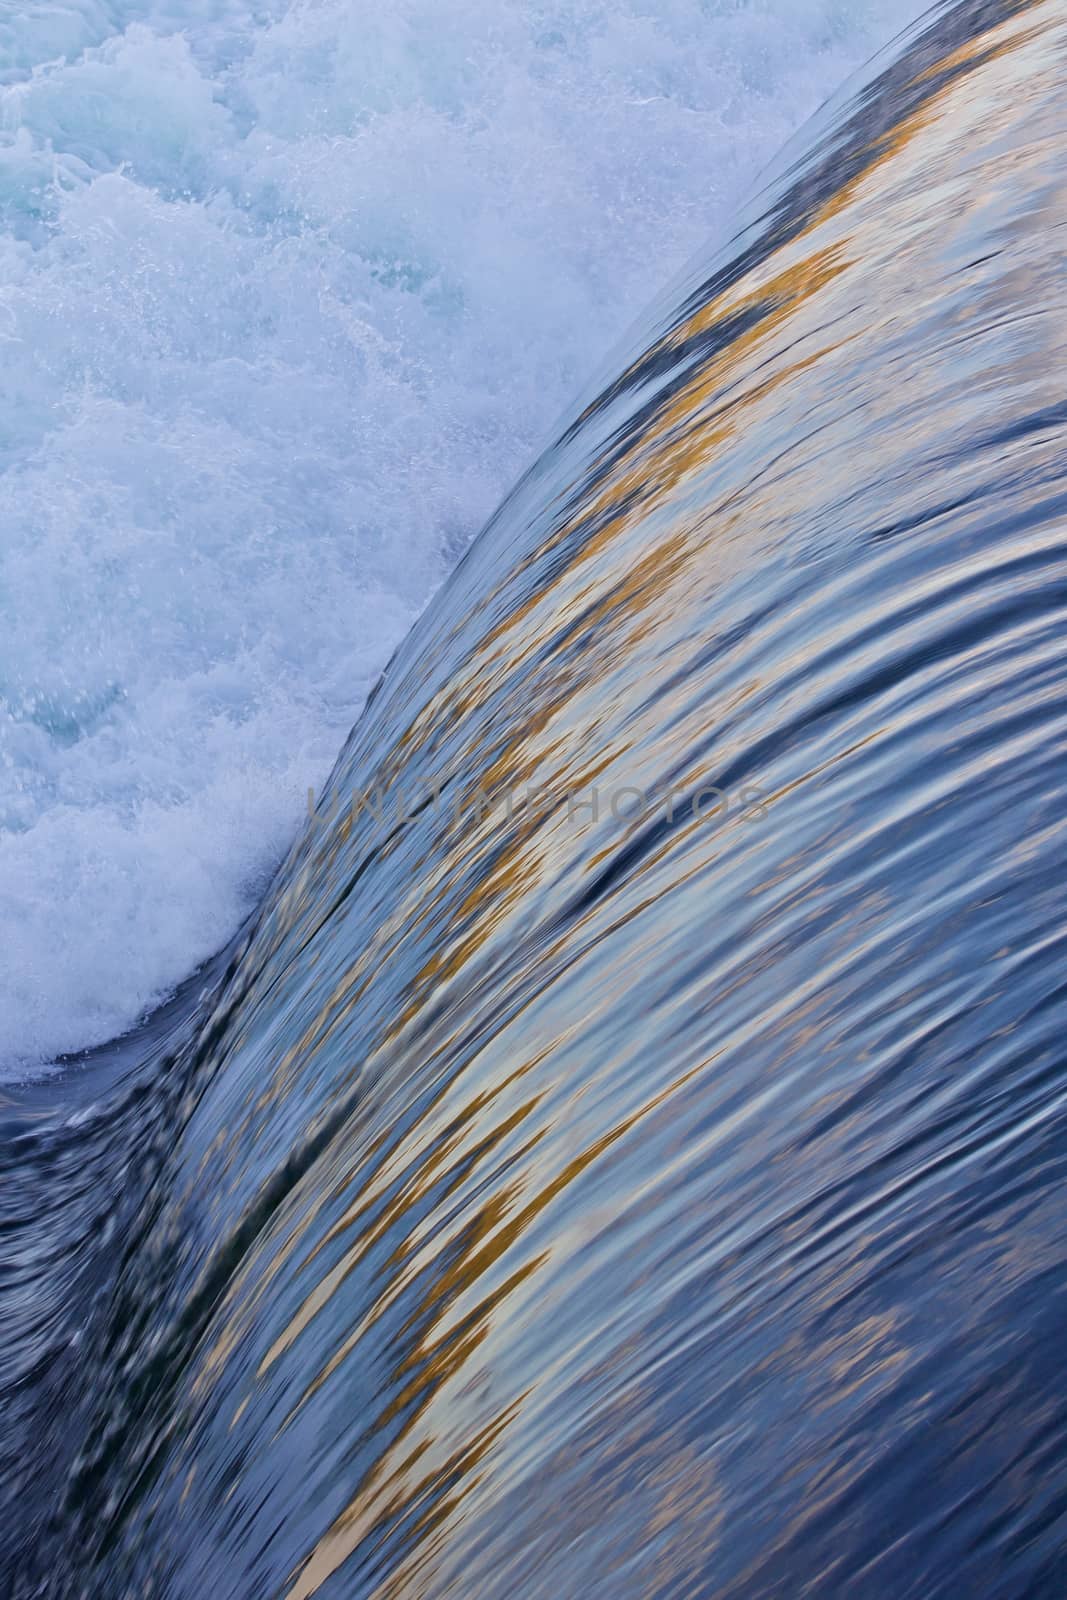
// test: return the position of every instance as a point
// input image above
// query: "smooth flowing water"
(624, 1154)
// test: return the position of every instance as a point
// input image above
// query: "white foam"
(288, 297)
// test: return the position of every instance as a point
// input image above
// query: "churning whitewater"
(289, 294)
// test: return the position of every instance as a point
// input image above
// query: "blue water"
(624, 1152)
(291, 295)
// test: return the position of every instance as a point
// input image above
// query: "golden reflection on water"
(645, 550)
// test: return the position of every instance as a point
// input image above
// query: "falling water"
(625, 1152)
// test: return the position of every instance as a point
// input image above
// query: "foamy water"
(289, 296)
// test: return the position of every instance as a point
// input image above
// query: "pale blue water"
(289, 296)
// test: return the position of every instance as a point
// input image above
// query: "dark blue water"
(625, 1155)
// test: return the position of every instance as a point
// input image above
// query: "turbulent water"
(290, 293)
(625, 1153)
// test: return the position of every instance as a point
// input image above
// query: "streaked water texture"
(290, 293)
(564, 1205)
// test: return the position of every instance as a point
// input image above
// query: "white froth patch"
(289, 295)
